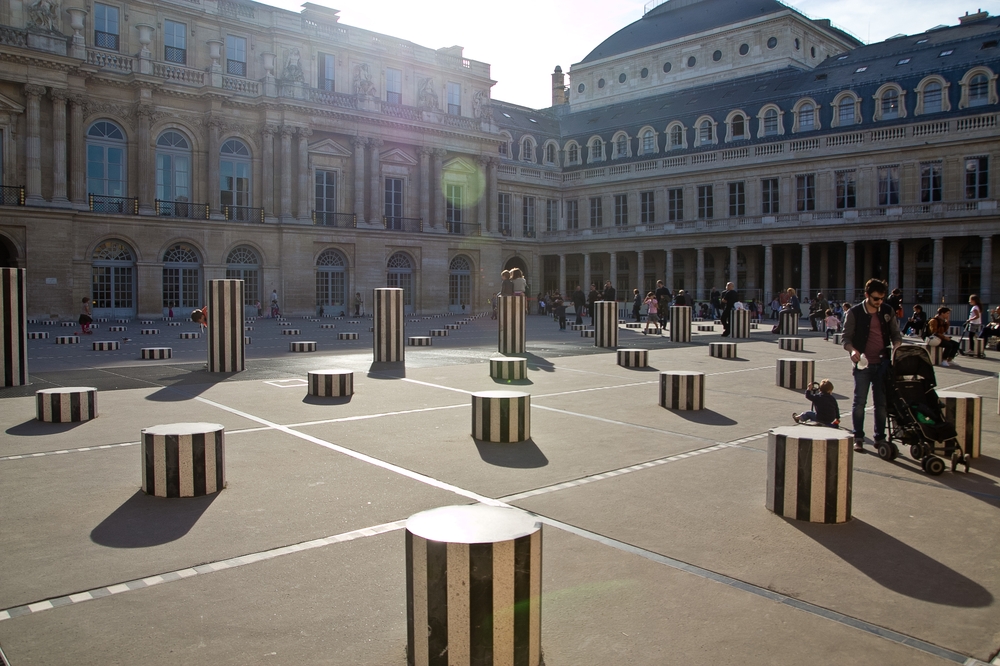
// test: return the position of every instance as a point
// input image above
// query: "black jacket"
(858, 323)
(609, 294)
(729, 299)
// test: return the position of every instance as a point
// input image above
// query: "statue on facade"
(293, 70)
(43, 15)
(363, 82)
(427, 96)
(479, 101)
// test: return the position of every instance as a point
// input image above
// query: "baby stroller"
(916, 416)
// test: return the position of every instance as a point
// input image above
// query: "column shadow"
(144, 521)
(704, 417)
(327, 400)
(393, 370)
(519, 455)
(34, 428)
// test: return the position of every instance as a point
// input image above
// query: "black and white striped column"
(39, 335)
(302, 346)
(183, 459)
(936, 352)
(419, 341)
(965, 412)
(333, 383)
(511, 316)
(722, 349)
(633, 358)
(791, 344)
(794, 373)
(682, 390)
(705, 328)
(587, 333)
(106, 345)
(739, 326)
(291, 331)
(347, 336)
(67, 339)
(13, 326)
(504, 367)
(788, 322)
(157, 352)
(809, 473)
(473, 587)
(439, 332)
(226, 346)
(972, 346)
(838, 338)
(66, 404)
(605, 324)
(680, 323)
(501, 416)
(147, 331)
(387, 341)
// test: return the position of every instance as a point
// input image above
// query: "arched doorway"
(181, 278)
(8, 253)
(244, 264)
(112, 283)
(399, 273)
(331, 282)
(969, 270)
(460, 284)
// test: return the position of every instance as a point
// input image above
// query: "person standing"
(579, 301)
(357, 304)
(975, 320)
(85, 318)
(663, 298)
(560, 309)
(651, 313)
(636, 304)
(729, 299)
(592, 298)
(871, 329)
(610, 294)
(818, 311)
(715, 301)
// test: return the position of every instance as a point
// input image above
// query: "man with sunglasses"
(871, 330)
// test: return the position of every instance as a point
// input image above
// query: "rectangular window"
(551, 214)
(888, 186)
(769, 196)
(327, 72)
(326, 197)
(621, 210)
(106, 27)
(805, 192)
(931, 182)
(706, 202)
(846, 190)
(454, 99)
(596, 212)
(675, 204)
(647, 212)
(977, 175)
(453, 208)
(737, 199)
(175, 42)
(236, 55)
(528, 217)
(393, 209)
(503, 213)
(572, 214)
(393, 86)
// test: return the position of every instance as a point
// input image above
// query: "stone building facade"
(147, 147)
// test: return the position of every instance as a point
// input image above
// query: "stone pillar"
(214, 183)
(938, 283)
(734, 272)
(59, 98)
(669, 277)
(493, 193)
(226, 351)
(606, 324)
(482, 208)
(437, 196)
(640, 270)
(699, 280)
(425, 185)
(33, 145)
(304, 200)
(613, 272)
(511, 315)
(377, 192)
(359, 179)
(986, 271)
(267, 142)
(562, 275)
(824, 270)
(388, 335)
(286, 172)
(893, 278)
(849, 272)
(183, 459)
(805, 272)
(146, 169)
(768, 277)
(586, 274)
(680, 323)
(13, 326)
(809, 474)
(78, 155)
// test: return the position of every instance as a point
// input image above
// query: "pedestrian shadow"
(144, 521)
(704, 417)
(35, 428)
(517, 455)
(387, 370)
(979, 482)
(536, 362)
(895, 565)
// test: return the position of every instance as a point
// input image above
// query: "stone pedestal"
(605, 324)
(722, 349)
(502, 367)
(157, 353)
(972, 346)
(183, 459)
(334, 383)
(226, 351)
(809, 473)
(936, 352)
(13, 327)
(794, 373)
(419, 341)
(788, 322)
(501, 416)
(511, 318)
(347, 336)
(387, 339)
(633, 358)
(303, 346)
(67, 339)
(67, 404)
(965, 412)
(791, 344)
(739, 327)
(682, 390)
(680, 323)
(107, 345)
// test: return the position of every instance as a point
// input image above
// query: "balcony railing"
(528, 232)
(106, 40)
(505, 230)
(340, 220)
(12, 195)
(412, 224)
(463, 228)
(100, 203)
(243, 214)
(194, 211)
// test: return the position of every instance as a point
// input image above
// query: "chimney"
(558, 87)
(972, 18)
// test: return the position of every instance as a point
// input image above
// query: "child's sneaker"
(795, 417)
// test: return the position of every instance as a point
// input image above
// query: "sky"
(523, 40)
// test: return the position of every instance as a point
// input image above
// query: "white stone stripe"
(503, 603)
(457, 574)
(419, 573)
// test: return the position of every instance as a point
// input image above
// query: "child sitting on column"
(200, 316)
(832, 323)
(825, 410)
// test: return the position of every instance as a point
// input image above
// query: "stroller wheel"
(885, 450)
(895, 451)
(934, 466)
(917, 451)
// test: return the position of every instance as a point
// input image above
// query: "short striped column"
(173, 323)
(148, 331)
(791, 344)
(680, 323)
(936, 352)
(333, 383)
(501, 416)
(809, 473)
(705, 328)
(68, 324)
(13, 326)
(965, 412)
(302, 346)
(50, 322)
(722, 349)
(739, 326)
(633, 324)
(66, 404)
(284, 323)
(633, 358)
(67, 339)
(587, 333)
(347, 336)
(577, 327)
(117, 329)
(954, 331)
(247, 339)
(183, 459)
(419, 341)
(973, 346)
(290, 331)
(226, 345)
(439, 332)
(505, 367)
(189, 336)
(149, 353)
(511, 336)
(41, 335)
(387, 340)
(788, 322)
(682, 390)
(473, 587)
(106, 345)
(328, 326)
(452, 327)
(794, 373)
(838, 338)
(605, 324)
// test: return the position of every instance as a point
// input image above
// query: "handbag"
(933, 341)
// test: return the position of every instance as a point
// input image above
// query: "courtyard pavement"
(657, 547)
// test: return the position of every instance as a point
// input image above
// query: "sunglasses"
(876, 299)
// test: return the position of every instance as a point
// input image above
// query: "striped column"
(794, 373)
(226, 351)
(605, 324)
(157, 352)
(108, 345)
(936, 352)
(42, 335)
(328, 326)
(190, 336)
(587, 333)
(334, 383)
(965, 412)
(419, 341)
(722, 349)
(290, 331)
(473, 587)
(511, 316)
(117, 329)
(680, 323)
(183, 459)
(501, 416)
(705, 328)
(387, 341)
(147, 331)
(838, 338)
(973, 346)
(67, 339)
(503, 367)
(791, 344)
(13, 326)
(303, 346)
(439, 332)
(452, 327)
(633, 358)
(66, 404)
(740, 324)
(788, 322)
(682, 390)
(347, 336)
(809, 473)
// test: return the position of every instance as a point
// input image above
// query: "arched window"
(574, 153)
(504, 147)
(112, 281)
(845, 111)
(648, 142)
(106, 150)
(771, 122)
(932, 97)
(705, 134)
(234, 173)
(173, 174)
(399, 273)
(527, 150)
(890, 104)
(244, 264)
(596, 150)
(550, 154)
(738, 127)
(807, 117)
(621, 146)
(677, 136)
(979, 90)
(459, 283)
(181, 277)
(331, 279)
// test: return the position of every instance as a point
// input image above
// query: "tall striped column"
(387, 341)
(511, 317)
(680, 323)
(13, 327)
(473, 587)
(965, 412)
(501, 416)
(788, 322)
(183, 459)
(809, 473)
(739, 326)
(605, 324)
(226, 352)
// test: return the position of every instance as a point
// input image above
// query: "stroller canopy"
(913, 360)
